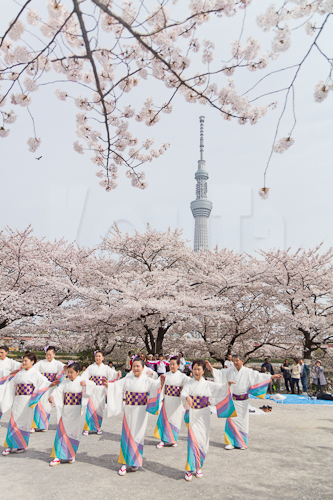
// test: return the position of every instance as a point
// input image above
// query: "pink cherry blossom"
(33, 144)
(283, 144)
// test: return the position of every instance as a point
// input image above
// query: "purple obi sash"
(173, 390)
(97, 380)
(50, 376)
(24, 389)
(72, 398)
(199, 402)
(240, 397)
(136, 398)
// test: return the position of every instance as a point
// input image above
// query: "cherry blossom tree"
(245, 318)
(35, 278)
(302, 285)
(138, 292)
(150, 291)
(96, 52)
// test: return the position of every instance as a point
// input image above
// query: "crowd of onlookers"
(296, 375)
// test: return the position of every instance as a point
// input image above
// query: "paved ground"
(290, 457)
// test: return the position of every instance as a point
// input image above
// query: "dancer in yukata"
(195, 397)
(141, 396)
(70, 399)
(171, 412)
(97, 372)
(53, 370)
(7, 367)
(19, 395)
(247, 381)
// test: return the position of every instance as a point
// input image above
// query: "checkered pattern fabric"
(72, 398)
(200, 402)
(24, 389)
(173, 390)
(136, 398)
(97, 380)
(50, 376)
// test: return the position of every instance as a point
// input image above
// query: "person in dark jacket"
(286, 372)
(305, 370)
(268, 366)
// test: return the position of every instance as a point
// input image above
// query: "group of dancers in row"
(32, 388)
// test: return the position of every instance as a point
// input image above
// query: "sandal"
(122, 471)
(160, 445)
(7, 451)
(71, 461)
(85, 433)
(19, 450)
(99, 432)
(188, 476)
(54, 462)
(199, 474)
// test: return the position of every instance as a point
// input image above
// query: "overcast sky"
(59, 195)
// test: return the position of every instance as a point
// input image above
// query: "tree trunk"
(160, 337)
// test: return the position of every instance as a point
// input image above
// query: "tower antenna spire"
(202, 121)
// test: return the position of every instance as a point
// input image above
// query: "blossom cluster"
(150, 42)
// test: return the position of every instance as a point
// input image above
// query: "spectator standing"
(128, 362)
(305, 370)
(320, 377)
(270, 386)
(295, 376)
(268, 366)
(286, 372)
(161, 366)
(182, 362)
(229, 362)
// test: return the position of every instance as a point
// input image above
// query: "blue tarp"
(294, 399)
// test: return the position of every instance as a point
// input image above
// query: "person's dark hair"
(110, 362)
(161, 354)
(129, 353)
(4, 348)
(286, 360)
(139, 360)
(238, 356)
(99, 351)
(296, 360)
(31, 356)
(181, 354)
(76, 366)
(50, 348)
(266, 359)
(175, 358)
(199, 362)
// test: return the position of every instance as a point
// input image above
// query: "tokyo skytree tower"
(201, 207)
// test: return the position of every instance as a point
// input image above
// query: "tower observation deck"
(201, 207)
